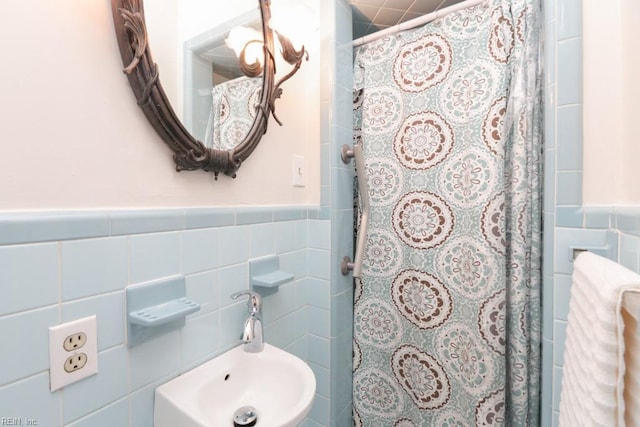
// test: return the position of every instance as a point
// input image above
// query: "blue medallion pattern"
(447, 311)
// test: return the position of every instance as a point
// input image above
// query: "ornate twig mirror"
(190, 153)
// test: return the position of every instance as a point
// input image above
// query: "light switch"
(299, 171)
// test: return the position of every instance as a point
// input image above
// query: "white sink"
(277, 384)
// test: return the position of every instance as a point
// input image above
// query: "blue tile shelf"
(265, 272)
(163, 313)
(156, 307)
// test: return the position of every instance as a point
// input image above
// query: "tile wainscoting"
(60, 266)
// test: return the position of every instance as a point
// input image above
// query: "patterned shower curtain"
(233, 110)
(447, 311)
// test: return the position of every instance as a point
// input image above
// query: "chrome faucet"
(252, 331)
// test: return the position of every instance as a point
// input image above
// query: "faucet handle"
(254, 302)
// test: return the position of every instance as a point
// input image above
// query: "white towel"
(593, 371)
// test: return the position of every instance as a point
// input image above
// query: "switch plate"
(299, 171)
(73, 352)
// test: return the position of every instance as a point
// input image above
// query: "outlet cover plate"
(58, 355)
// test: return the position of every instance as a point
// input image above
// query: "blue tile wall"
(615, 230)
(49, 276)
(569, 71)
(31, 227)
(153, 256)
(27, 331)
(28, 274)
(116, 413)
(102, 262)
(570, 137)
(193, 258)
(262, 240)
(331, 347)
(41, 405)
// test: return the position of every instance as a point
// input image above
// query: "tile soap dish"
(164, 313)
(265, 272)
(157, 307)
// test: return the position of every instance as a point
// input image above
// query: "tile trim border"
(36, 227)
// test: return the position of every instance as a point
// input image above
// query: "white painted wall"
(631, 98)
(611, 102)
(73, 137)
(163, 29)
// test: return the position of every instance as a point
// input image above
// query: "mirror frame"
(143, 76)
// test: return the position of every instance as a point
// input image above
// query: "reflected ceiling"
(370, 16)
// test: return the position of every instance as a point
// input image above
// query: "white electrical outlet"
(75, 341)
(73, 352)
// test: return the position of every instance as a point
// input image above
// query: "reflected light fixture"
(251, 49)
(247, 44)
(294, 20)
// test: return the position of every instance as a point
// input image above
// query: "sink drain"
(245, 417)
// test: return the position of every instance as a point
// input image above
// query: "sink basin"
(277, 384)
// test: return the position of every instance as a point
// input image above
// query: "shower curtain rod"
(416, 22)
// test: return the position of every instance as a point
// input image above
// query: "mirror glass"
(200, 72)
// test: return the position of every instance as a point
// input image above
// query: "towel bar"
(603, 251)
